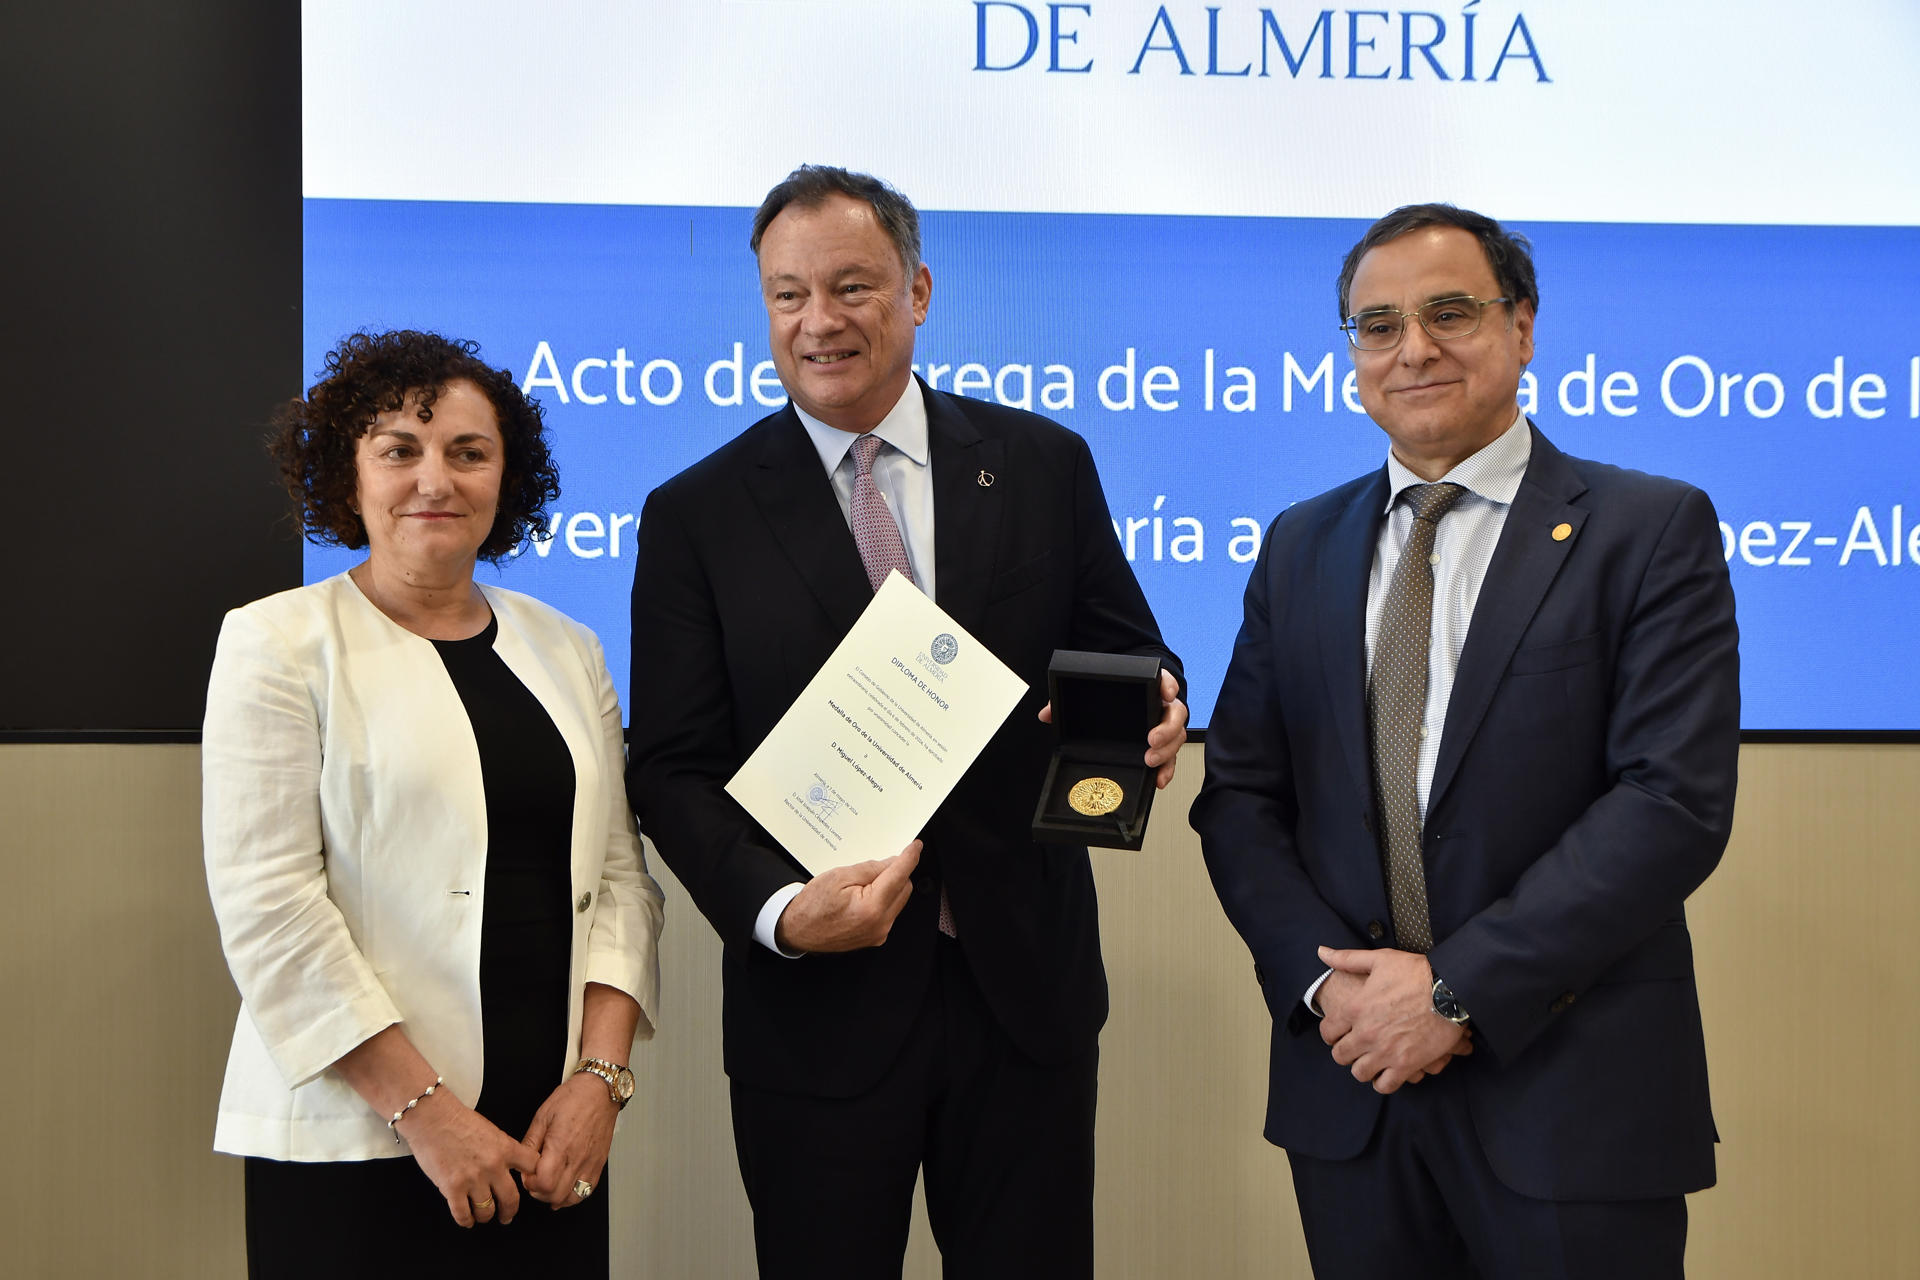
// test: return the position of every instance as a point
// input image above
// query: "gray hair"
(811, 185)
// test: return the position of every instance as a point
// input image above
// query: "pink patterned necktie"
(881, 551)
(874, 530)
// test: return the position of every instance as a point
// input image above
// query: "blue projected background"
(1199, 357)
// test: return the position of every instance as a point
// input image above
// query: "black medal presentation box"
(1099, 789)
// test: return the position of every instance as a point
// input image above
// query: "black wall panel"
(150, 320)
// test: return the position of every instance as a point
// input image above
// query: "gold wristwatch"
(619, 1079)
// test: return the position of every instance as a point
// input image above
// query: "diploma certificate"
(879, 736)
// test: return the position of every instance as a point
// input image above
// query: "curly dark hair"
(369, 374)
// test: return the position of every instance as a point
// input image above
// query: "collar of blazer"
(796, 497)
(1524, 564)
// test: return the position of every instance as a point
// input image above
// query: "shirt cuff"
(769, 917)
(1313, 991)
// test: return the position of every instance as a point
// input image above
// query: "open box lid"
(1104, 697)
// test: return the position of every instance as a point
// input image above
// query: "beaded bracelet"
(437, 1082)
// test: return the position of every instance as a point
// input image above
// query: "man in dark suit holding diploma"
(940, 1008)
(1475, 747)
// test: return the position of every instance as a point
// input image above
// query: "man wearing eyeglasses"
(1476, 745)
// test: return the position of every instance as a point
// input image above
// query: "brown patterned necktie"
(882, 550)
(1397, 712)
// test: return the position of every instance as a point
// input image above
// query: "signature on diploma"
(821, 799)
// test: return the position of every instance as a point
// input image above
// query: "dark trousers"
(1422, 1200)
(1006, 1145)
(373, 1219)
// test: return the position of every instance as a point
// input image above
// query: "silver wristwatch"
(1447, 1005)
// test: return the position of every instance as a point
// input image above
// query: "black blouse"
(526, 932)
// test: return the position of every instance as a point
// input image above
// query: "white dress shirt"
(1463, 546)
(903, 473)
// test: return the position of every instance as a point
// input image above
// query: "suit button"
(1376, 930)
(586, 900)
(1561, 1005)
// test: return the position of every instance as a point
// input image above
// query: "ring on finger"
(481, 1206)
(582, 1189)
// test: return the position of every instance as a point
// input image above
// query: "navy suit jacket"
(1584, 787)
(746, 579)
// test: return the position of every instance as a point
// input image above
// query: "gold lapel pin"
(1561, 532)
(984, 480)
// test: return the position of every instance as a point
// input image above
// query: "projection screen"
(1134, 215)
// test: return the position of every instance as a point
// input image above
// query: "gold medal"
(1095, 796)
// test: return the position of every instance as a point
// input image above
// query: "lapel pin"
(984, 479)
(1561, 532)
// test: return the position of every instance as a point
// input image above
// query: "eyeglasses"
(1444, 319)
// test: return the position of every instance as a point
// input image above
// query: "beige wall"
(111, 981)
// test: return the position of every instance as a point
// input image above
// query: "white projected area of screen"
(1134, 215)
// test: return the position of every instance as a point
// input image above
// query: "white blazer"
(345, 825)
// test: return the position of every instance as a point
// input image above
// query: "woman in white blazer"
(430, 890)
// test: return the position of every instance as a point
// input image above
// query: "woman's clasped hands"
(472, 1162)
(573, 1132)
(468, 1158)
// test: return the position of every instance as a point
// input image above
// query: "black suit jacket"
(746, 578)
(1584, 787)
